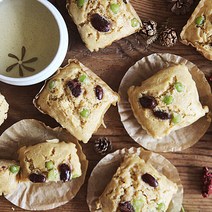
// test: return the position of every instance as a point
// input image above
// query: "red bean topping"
(99, 92)
(149, 179)
(162, 115)
(148, 102)
(65, 172)
(75, 87)
(126, 207)
(37, 178)
(100, 23)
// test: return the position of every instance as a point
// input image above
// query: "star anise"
(21, 62)
(180, 7)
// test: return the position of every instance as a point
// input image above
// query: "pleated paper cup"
(177, 140)
(106, 168)
(39, 196)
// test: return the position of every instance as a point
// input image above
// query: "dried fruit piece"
(161, 115)
(149, 179)
(148, 102)
(99, 92)
(14, 169)
(75, 87)
(206, 182)
(37, 178)
(65, 172)
(100, 23)
(126, 207)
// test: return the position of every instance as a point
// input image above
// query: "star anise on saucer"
(180, 7)
(21, 62)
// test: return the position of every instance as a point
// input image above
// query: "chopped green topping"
(49, 165)
(114, 8)
(14, 169)
(161, 207)
(137, 204)
(85, 113)
(53, 175)
(80, 3)
(168, 99)
(52, 84)
(176, 118)
(83, 78)
(200, 20)
(179, 86)
(134, 22)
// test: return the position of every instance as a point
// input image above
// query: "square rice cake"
(167, 101)
(77, 99)
(137, 186)
(101, 22)
(198, 30)
(49, 161)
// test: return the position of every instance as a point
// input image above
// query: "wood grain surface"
(111, 64)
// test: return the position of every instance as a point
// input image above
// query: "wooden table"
(111, 64)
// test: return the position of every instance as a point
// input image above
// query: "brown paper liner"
(180, 139)
(33, 196)
(106, 168)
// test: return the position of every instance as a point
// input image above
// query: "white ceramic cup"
(33, 41)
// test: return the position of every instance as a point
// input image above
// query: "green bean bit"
(80, 3)
(49, 165)
(14, 169)
(85, 113)
(200, 20)
(161, 207)
(52, 84)
(176, 118)
(53, 175)
(179, 86)
(134, 22)
(84, 78)
(138, 204)
(168, 99)
(115, 8)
